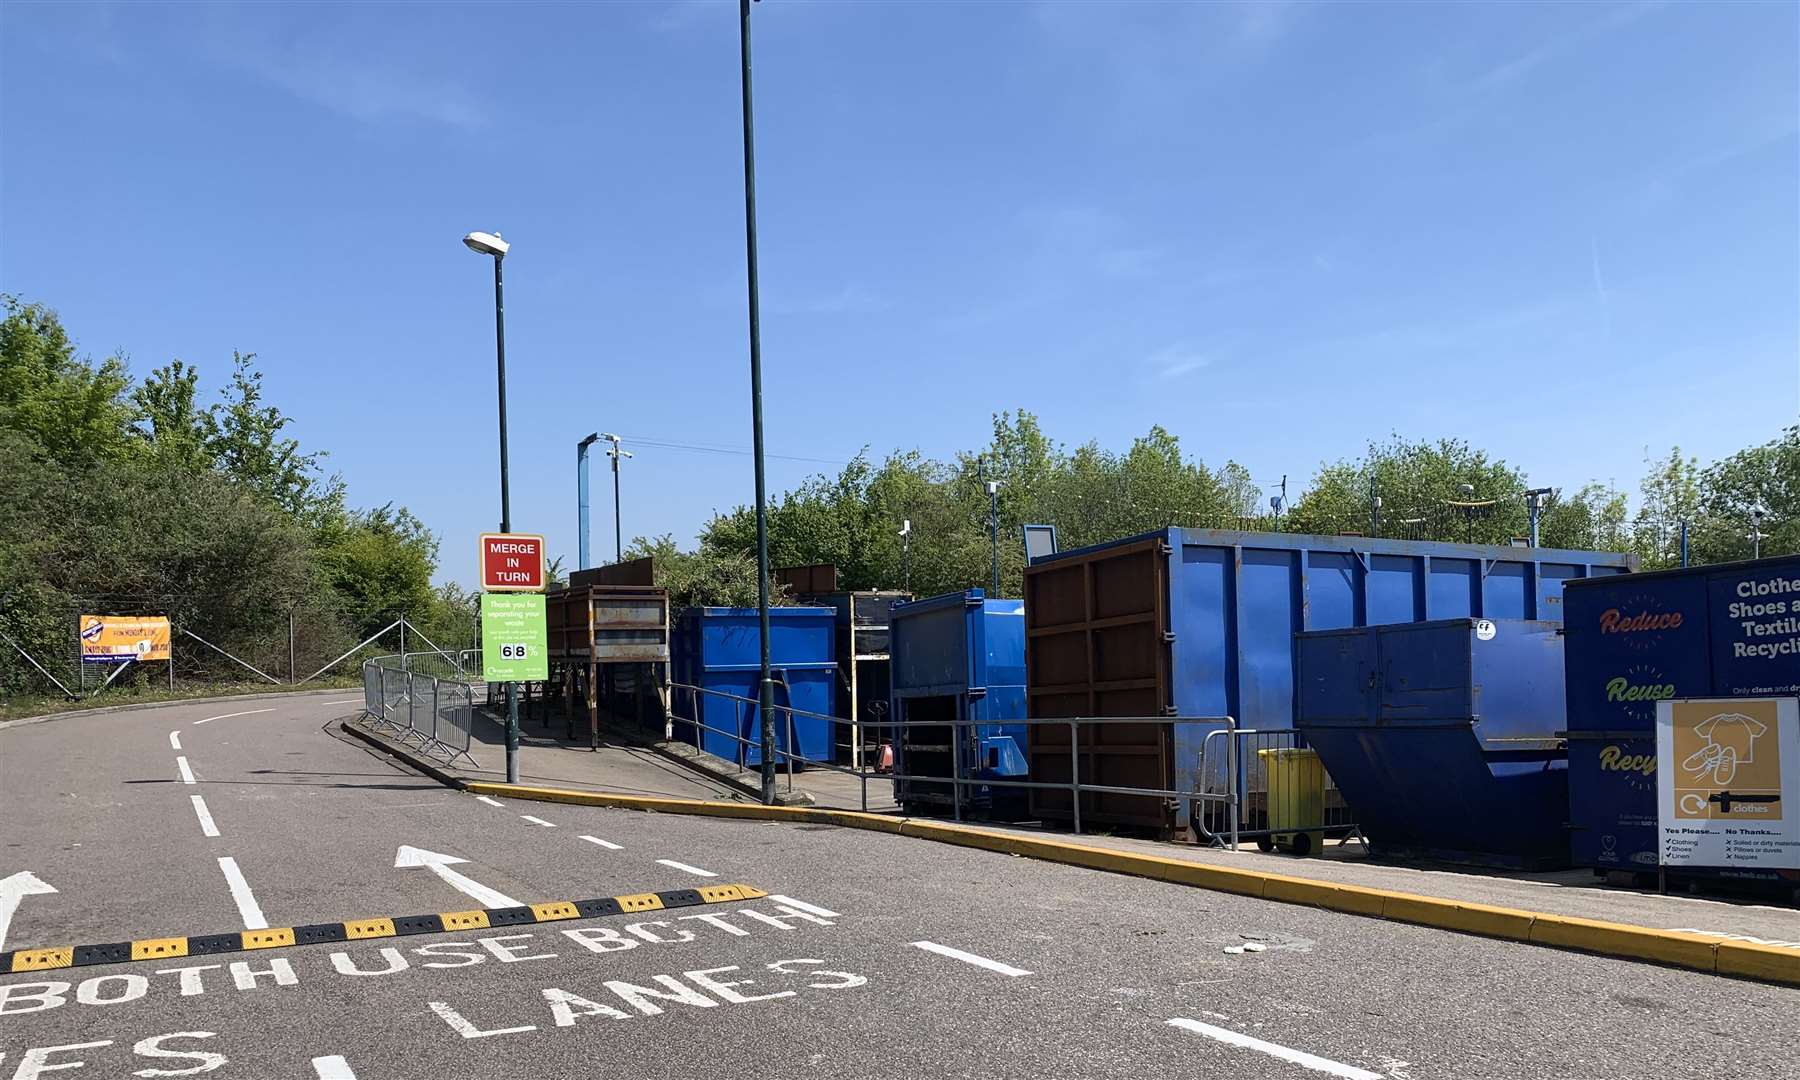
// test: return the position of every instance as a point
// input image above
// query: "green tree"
(708, 577)
(178, 429)
(1669, 495)
(1420, 484)
(71, 409)
(1765, 478)
(378, 563)
(249, 446)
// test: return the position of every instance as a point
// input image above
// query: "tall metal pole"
(618, 529)
(581, 496)
(1684, 542)
(512, 689)
(994, 530)
(766, 686)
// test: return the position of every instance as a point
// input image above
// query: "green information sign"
(514, 643)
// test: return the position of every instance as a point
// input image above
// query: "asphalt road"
(876, 955)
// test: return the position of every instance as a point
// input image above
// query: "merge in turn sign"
(514, 642)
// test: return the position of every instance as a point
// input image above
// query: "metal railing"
(1240, 777)
(435, 711)
(1231, 777)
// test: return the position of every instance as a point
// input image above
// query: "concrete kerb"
(20, 721)
(1619, 940)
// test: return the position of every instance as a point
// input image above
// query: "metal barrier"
(435, 711)
(1241, 784)
(1236, 796)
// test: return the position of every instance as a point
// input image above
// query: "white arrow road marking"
(333, 1068)
(1295, 1057)
(229, 715)
(248, 909)
(14, 889)
(187, 774)
(205, 816)
(607, 844)
(174, 740)
(970, 958)
(687, 868)
(440, 864)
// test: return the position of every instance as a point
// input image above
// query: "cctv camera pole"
(618, 526)
(766, 687)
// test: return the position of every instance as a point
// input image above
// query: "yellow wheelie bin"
(1296, 798)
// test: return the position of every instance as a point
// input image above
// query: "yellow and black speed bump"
(17, 961)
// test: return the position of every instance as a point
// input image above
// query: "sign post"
(1728, 794)
(513, 635)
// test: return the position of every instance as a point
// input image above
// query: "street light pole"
(906, 553)
(491, 244)
(765, 685)
(581, 496)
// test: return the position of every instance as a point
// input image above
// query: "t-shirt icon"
(1730, 742)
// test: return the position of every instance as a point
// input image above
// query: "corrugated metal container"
(614, 624)
(1201, 622)
(959, 656)
(717, 649)
(1731, 630)
(1442, 735)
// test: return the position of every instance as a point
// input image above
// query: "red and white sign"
(512, 561)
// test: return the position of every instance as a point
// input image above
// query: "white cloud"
(1175, 362)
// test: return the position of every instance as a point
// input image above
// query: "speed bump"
(17, 961)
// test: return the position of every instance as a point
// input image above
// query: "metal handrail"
(956, 780)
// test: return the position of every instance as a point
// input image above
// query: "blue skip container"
(960, 656)
(717, 649)
(1442, 735)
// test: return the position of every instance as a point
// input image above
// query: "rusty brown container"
(1096, 644)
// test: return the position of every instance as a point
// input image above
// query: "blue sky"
(1566, 232)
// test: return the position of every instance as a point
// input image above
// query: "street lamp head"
(906, 527)
(487, 244)
(589, 441)
(609, 436)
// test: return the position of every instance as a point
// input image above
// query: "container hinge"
(1170, 710)
(1169, 636)
(977, 691)
(1164, 549)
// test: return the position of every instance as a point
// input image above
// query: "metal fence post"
(1075, 777)
(956, 767)
(791, 759)
(1231, 780)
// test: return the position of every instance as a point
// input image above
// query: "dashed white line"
(490, 801)
(970, 958)
(187, 774)
(1275, 1050)
(607, 844)
(339, 701)
(539, 821)
(174, 740)
(685, 867)
(205, 816)
(241, 894)
(229, 715)
(333, 1068)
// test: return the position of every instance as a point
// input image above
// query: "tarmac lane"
(852, 954)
